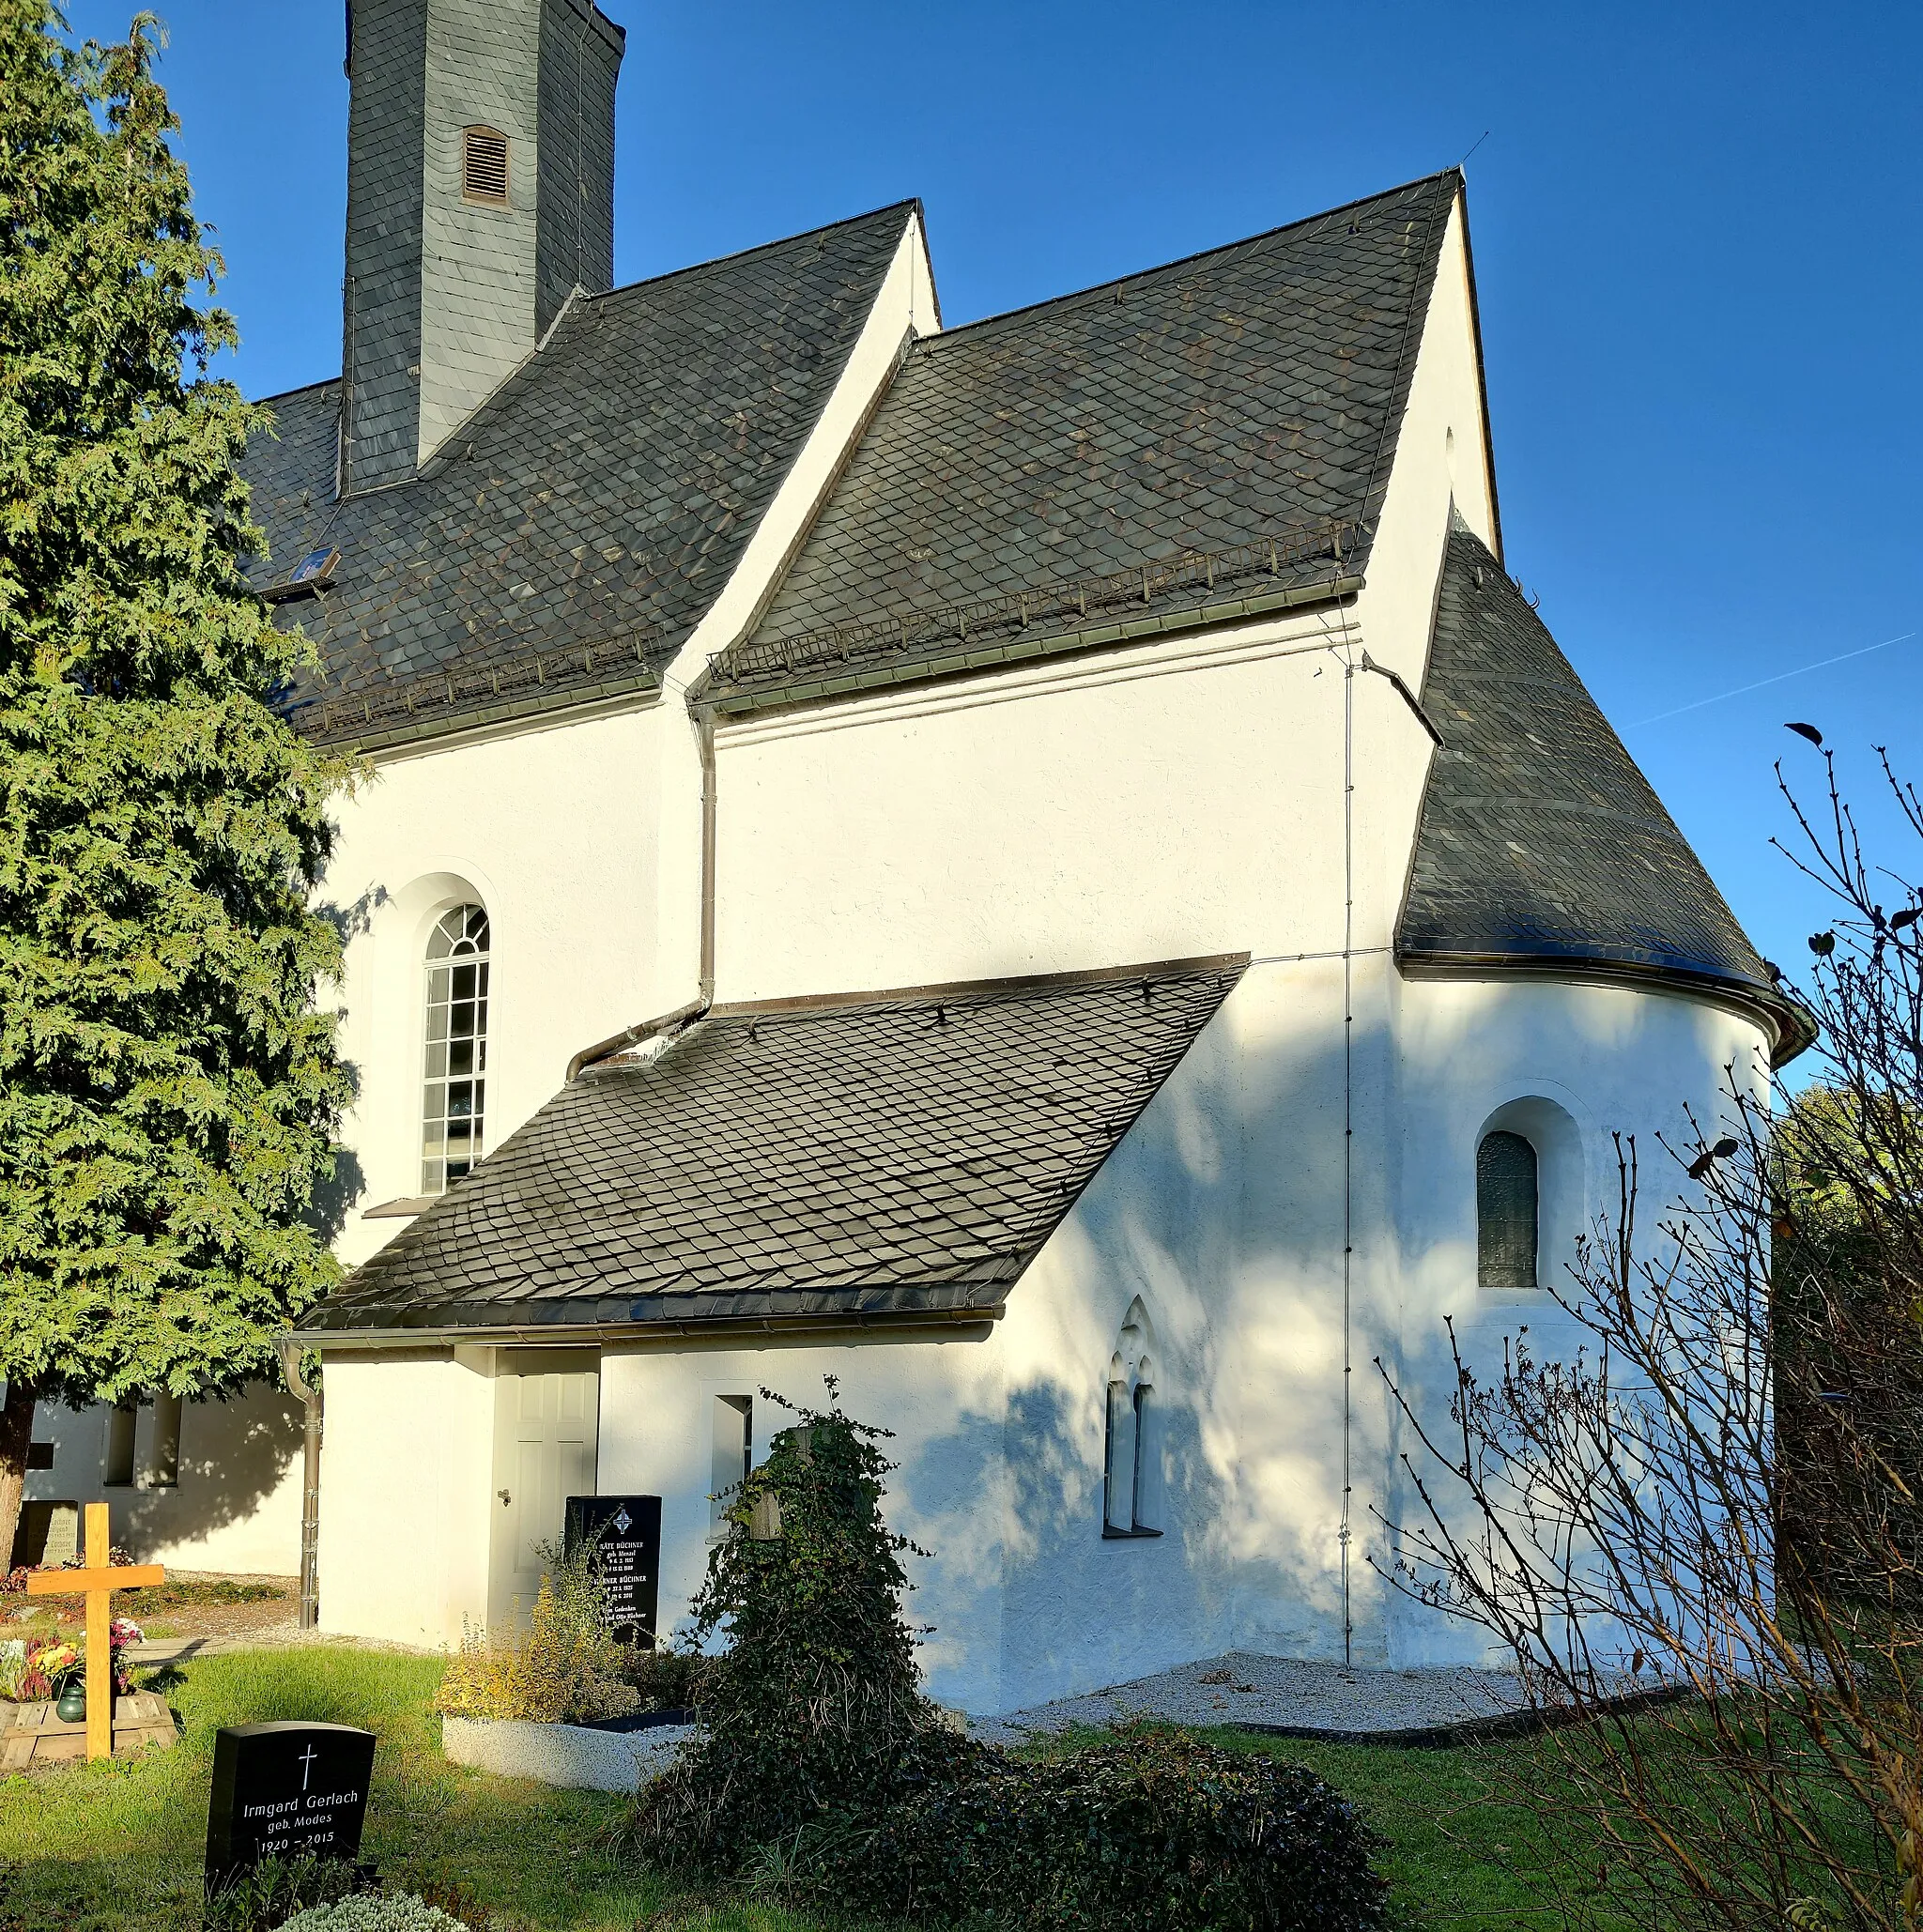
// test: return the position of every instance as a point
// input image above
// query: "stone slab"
(570, 1755)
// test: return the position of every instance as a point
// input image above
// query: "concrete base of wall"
(571, 1756)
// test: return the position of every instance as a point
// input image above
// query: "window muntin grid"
(455, 1086)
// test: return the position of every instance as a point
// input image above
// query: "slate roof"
(1541, 843)
(582, 523)
(1022, 470)
(875, 1155)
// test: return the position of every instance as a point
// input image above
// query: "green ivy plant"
(819, 1702)
(168, 1086)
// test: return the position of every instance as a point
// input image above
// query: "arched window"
(1131, 1447)
(455, 1105)
(1505, 1211)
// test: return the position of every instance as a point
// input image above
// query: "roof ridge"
(281, 395)
(739, 255)
(912, 201)
(931, 342)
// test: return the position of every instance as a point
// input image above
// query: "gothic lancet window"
(1131, 1436)
(454, 1098)
(1506, 1192)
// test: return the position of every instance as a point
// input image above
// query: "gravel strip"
(1244, 1688)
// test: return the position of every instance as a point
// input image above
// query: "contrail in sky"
(1821, 663)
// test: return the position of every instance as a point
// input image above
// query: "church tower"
(480, 192)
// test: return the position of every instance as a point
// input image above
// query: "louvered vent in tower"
(483, 166)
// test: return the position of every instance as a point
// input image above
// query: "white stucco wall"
(1164, 800)
(1612, 1059)
(553, 832)
(405, 1472)
(943, 1399)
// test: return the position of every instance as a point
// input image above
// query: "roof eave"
(969, 661)
(571, 1326)
(1791, 1029)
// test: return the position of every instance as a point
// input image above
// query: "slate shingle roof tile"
(1253, 390)
(869, 1156)
(594, 505)
(1540, 839)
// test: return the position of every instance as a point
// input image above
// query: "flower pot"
(71, 1707)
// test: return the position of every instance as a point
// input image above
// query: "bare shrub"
(1699, 1530)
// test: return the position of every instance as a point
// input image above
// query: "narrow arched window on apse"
(453, 1107)
(1131, 1446)
(1506, 1211)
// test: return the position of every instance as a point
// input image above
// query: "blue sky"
(1698, 244)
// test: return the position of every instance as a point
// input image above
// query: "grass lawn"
(119, 1846)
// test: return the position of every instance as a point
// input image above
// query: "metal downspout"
(309, 1486)
(704, 736)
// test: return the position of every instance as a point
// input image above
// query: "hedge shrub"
(1156, 1831)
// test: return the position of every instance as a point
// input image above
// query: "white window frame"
(447, 1004)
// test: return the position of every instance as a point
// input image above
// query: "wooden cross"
(99, 1581)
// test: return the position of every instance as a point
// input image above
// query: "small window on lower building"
(39, 1455)
(1505, 1212)
(163, 1447)
(733, 1458)
(116, 1465)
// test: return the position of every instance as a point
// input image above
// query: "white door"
(543, 1453)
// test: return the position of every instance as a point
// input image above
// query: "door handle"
(505, 1498)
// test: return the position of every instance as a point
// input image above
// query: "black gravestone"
(281, 1790)
(626, 1534)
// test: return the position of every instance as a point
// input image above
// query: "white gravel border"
(1246, 1688)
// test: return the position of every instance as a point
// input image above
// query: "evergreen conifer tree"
(168, 1089)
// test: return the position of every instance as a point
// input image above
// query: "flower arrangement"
(35, 1668)
(48, 1664)
(122, 1633)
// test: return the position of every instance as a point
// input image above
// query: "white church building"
(1043, 868)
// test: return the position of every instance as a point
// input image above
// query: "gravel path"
(1280, 1692)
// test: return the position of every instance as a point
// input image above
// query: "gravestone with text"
(285, 1790)
(626, 1535)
